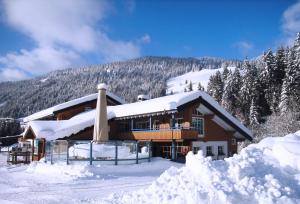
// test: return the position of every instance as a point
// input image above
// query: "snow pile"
(104, 151)
(59, 171)
(268, 172)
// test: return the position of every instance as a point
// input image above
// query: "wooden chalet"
(175, 124)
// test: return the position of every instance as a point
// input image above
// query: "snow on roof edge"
(51, 110)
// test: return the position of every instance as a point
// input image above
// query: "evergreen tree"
(290, 94)
(268, 79)
(190, 86)
(254, 115)
(215, 86)
(230, 99)
(200, 87)
(248, 89)
(225, 73)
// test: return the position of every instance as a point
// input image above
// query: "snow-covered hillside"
(178, 84)
(268, 172)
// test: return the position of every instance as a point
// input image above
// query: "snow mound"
(58, 171)
(105, 151)
(268, 172)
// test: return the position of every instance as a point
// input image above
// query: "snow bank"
(58, 171)
(105, 151)
(268, 172)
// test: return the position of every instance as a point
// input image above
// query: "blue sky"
(37, 37)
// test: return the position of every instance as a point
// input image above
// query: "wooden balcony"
(160, 134)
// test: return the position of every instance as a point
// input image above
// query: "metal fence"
(111, 152)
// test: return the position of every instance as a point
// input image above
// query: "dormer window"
(197, 112)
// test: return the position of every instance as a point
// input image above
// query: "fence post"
(46, 153)
(173, 150)
(51, 155)
(91, 153)
(149, 150)
(116, 153)
(67, 152)
(137, 152)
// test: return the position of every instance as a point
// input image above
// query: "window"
(156, 124)
(220, 151)
(196, 112)
(178, 122)
(196, 149)
(233, 141)
(197, 123)
(142, 125)
(209, 151)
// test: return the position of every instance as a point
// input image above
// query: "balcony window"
(197, 124)
(156, 125)
(142, 125)
(209, 151)
(178, 123)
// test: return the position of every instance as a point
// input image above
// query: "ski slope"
(178, 84)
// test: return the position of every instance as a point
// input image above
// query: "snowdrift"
(105, 151)
(268, 172)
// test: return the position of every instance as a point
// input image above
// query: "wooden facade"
(172, 133)
(162, 131)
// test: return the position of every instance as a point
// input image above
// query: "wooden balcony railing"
(158, 134)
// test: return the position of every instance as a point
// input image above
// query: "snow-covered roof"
(55, 129)
(51, 110)
(168, 103)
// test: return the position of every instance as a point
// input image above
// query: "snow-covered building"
(175, 124)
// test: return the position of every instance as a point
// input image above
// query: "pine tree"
(248, 89)
(290, 94)
(268, 78)
(200, 87)
(190, 86)
(215, 86)
(230, 99)
(254, 115)
(225, 73)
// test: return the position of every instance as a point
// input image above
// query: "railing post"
(173, 150)
(51, 155)
(91, 152)
(137, 152)
(67, 152)
(116, 153)
(149, 150)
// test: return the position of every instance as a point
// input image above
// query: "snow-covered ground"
(268, 172)
(77, 183)
(178, 84)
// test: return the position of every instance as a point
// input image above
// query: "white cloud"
(146, 39)
(12, 75)
(40, 60)
(291, 22)
(63, 31)
(244, 47)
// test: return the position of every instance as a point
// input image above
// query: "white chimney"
(101, 123)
